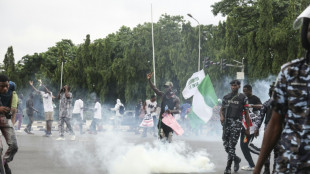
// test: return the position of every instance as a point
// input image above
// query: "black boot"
(228, 167)
(237, 161)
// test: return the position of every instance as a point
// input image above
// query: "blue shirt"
(6, 98)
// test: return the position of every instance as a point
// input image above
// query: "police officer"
(231, 111)
(170, 103)
(290, 120)
(265, 113)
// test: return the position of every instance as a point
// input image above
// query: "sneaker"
(47, 135)
(72, 138)
(247, 168)
(60, 139)
(26, 130)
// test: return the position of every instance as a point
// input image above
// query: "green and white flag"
(192, 83)
(203, 102)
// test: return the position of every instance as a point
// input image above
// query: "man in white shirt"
(77, 114)
(47, 97)
(97, 117)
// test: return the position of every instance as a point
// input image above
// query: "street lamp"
(198, 39)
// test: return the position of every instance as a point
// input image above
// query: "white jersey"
(98, 111)
(78, 106)
(150, 106)
(47, 101)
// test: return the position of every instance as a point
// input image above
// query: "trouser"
(8, 132)
(14, 111)
(231, 136)
(94, 123)
(31, 118)
(49, 124)
(165, 132)
(19, 119)
(61, 122)
(77, 119)
(245, 146)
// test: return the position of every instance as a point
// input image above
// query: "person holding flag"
(233, 105)
(170, 104)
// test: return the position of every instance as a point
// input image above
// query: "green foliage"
(116, 66)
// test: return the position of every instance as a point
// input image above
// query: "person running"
(6, 91)
(97, 117)
(246, 141)
(290, 120)
(77, 114)
(170, 104)
(30, 110)
(233, 105)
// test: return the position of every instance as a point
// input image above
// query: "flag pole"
(153, 46)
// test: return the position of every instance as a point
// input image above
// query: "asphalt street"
(41, 155)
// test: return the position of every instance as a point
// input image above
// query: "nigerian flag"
(203, 102)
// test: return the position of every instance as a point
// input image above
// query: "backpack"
(121, 109)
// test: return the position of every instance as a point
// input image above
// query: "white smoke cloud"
(111, 152)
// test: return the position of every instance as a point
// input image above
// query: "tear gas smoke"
(111, 152)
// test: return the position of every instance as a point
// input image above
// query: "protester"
(246, 141)
(119, 111)
(233, 105)
(97, 117)
(149, 107)
(19, 114)
(265, 114)
(30, 110)
(47, 97)
(289, 123)
(77, 114)
(65, 97)
(6, 91)
(170, 104)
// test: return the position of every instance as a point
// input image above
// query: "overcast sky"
(34, 25)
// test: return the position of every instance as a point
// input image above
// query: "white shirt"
(47, 101)
(97, 111)
(116, 109)
(150, 106)
(78, 107)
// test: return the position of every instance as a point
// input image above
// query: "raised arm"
(31, 84)
(159, 93)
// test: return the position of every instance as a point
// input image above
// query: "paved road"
(120, 152)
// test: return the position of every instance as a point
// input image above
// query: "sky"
(32, 26)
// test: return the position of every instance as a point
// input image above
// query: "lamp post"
(198, 39)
